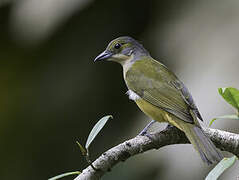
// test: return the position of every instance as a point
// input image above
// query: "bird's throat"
(127, 64)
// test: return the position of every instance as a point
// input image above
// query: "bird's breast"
(149, 109)
(152, 111)
(158, 114)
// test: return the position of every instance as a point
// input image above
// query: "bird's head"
(123, 49)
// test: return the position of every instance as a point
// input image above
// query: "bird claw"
(144, 131)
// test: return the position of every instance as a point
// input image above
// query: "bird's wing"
(153, 82)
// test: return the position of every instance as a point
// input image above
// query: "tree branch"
(223, 140)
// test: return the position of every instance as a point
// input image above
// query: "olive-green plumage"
(159, 93)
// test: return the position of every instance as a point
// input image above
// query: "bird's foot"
(144, 131)
(151, 138)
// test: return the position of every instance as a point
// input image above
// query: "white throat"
(127, 64)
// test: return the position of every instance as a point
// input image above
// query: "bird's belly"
(157, 114)
(151, 110)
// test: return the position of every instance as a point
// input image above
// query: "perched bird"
(159, 93)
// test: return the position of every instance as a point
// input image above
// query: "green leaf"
(96, 129)
(231, 95)
(82, 149)
(224, 164)
(64, 175)
(234, 117)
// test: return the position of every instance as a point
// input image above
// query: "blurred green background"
(52, 93)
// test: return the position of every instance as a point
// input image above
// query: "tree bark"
(223, 140)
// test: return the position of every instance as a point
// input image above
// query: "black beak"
(104, 55)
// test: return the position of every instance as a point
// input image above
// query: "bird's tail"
(202, 143)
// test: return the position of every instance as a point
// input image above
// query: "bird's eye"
(117, 46)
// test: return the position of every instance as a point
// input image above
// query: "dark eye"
(117, 46)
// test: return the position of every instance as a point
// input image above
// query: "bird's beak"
(103, 56)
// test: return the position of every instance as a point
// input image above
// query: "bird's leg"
(144, 131)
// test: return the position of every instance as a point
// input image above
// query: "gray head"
(122, 49)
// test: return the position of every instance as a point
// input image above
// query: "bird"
(159, 93)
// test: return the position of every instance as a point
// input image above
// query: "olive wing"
(153, 82)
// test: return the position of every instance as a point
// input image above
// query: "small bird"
(159, 93)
